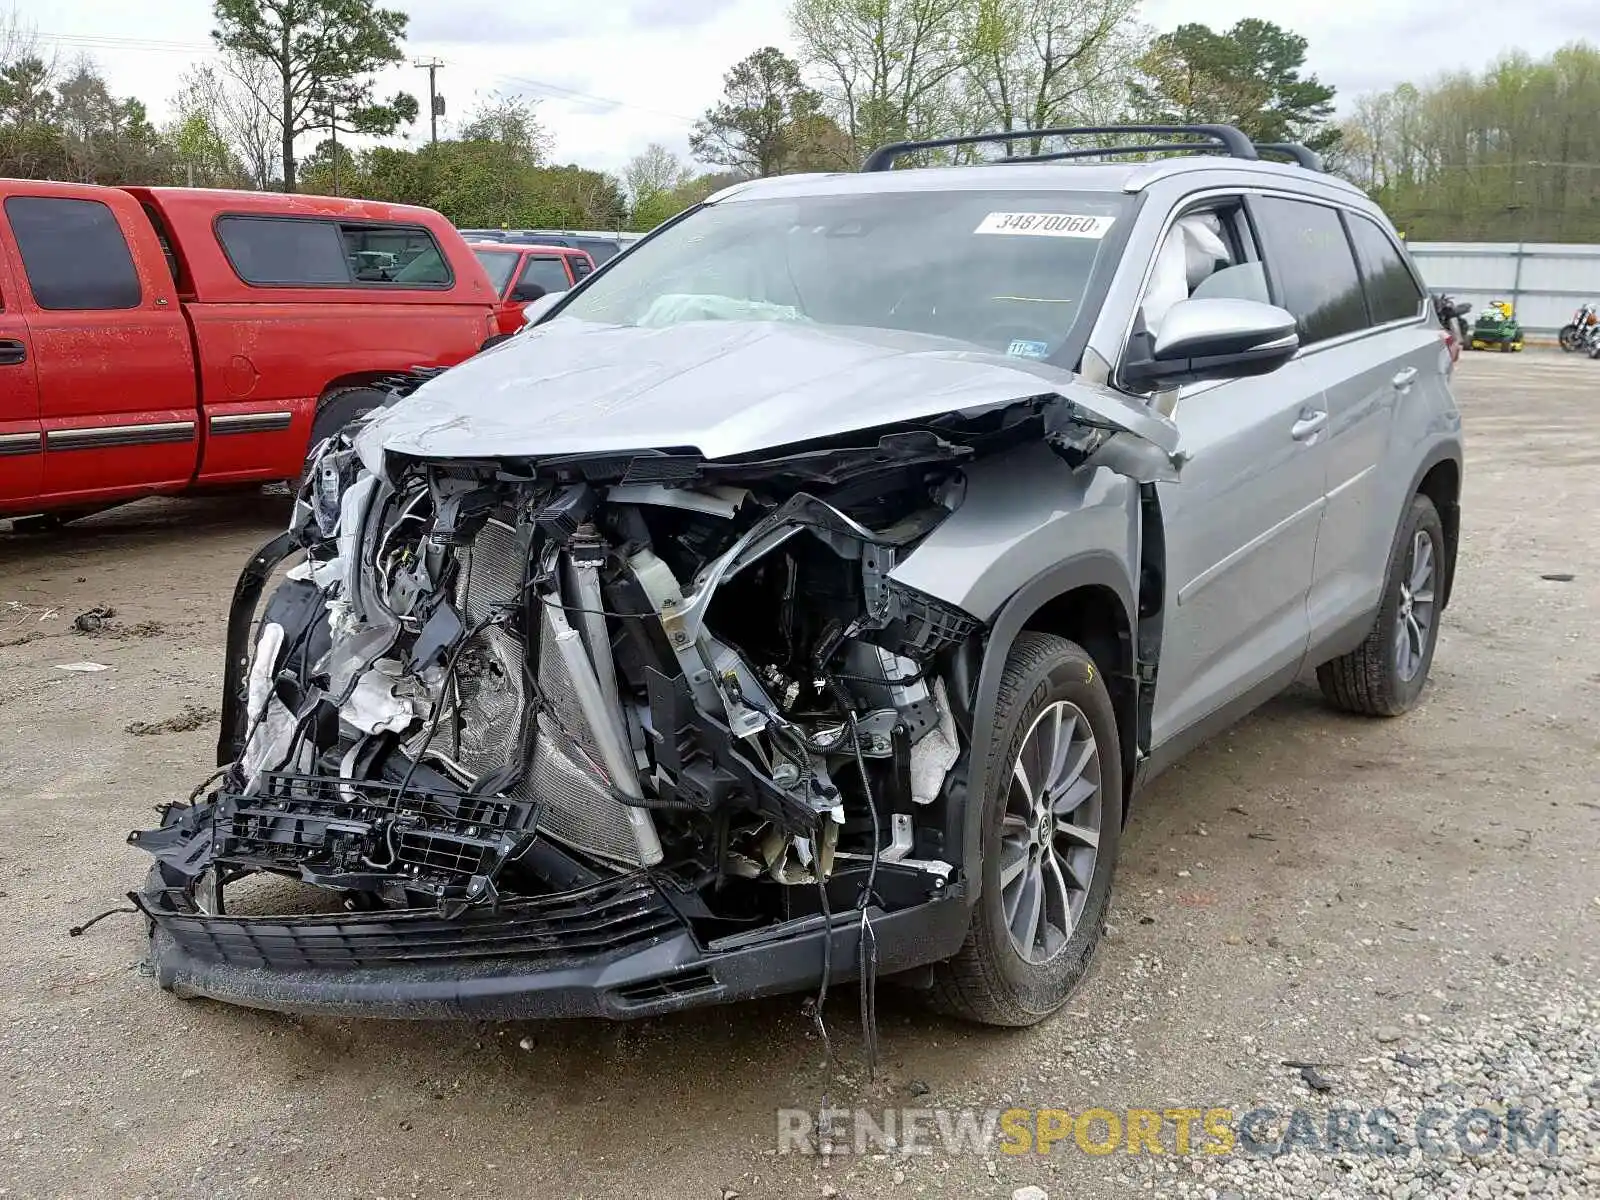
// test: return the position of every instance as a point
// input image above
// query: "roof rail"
(1108, 151)
(1225, 137)
(1305, 156)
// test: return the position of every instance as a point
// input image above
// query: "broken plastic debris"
(82, 667)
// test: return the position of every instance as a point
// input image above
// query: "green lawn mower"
(1497, 329)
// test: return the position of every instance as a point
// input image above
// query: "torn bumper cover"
(619, 949)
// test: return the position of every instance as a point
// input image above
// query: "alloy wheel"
(1050, 832)
(1415, 615)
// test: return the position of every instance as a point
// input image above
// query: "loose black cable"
(444, 685)
(867, 940)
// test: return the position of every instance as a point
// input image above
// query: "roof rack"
(1304, 155)
(1226, 138)
(1108, 151)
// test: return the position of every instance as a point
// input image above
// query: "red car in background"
(522, 273)
(162, 340)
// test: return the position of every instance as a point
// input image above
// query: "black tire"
(989, 981)
(1369, 680)
(341, 406)
(1568, 337)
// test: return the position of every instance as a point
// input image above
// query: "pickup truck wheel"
(1052, 821)
(1384, 676)
(341, 406)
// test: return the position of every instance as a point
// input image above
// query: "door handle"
(1310, 423)
(1405, 378)
(12, 352)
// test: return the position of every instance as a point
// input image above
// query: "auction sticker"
(1037, 224)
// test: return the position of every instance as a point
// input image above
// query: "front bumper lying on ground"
(618, 949)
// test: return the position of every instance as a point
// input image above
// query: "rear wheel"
(341, 406)
(1052, 822)
(1569, 338)
(1384, 676)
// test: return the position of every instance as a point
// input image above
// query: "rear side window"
(1392, 291)
(296, 252)
(601, 250)
(394, 254)
(580, 267)
(74, 253)
(1309, 257)
(272, 251)
(548, 273)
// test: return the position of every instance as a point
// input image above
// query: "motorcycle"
(1584, 331)
(1452, 315)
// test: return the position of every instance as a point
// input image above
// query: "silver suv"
(806, 595)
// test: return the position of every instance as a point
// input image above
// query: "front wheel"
(1569, 338)
(1052, 821)
(1384, 676)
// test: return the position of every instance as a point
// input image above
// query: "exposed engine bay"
(497, 680)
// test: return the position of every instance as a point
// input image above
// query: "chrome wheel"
(1050, 832)
(1415, 615)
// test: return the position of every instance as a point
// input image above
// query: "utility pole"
(435, 101)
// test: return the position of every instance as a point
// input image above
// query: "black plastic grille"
(540, 933)
(330, 823)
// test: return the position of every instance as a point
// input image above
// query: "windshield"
(1003, 270)
(499, 264)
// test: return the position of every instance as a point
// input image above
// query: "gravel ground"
(1307, 888)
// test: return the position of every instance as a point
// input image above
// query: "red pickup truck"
(161, 340)
(522, 273)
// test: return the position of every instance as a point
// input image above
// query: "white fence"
(1544, 282)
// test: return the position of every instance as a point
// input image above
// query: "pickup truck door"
(546, 271)
(112, 351)
(21, 442)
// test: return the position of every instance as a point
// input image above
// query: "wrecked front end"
(601, 735)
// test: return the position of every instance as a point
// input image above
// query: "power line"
(557, 92)
(553, 91)
(95, 41)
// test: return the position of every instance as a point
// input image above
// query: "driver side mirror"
(1211, 339)
(527, 291)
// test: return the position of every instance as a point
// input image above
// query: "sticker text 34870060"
(1036, 224)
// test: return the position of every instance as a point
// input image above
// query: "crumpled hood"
(721, 388)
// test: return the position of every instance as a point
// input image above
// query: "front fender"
(1090, 569)
(1030, 528)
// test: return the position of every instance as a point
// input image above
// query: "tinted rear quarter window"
(299, 252)
(74, 253)
(1392, 291)
(1311, 264)
(395, 254)
(284, 251)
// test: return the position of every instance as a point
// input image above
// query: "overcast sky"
(615, 75)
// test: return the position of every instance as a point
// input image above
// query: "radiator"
(565, 775)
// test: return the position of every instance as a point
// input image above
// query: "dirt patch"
(190, 718)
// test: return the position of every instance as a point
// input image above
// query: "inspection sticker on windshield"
(1036, 224)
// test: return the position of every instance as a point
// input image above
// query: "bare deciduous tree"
(888, 69)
